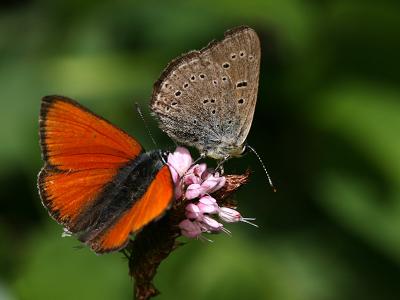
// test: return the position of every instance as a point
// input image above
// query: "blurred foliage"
(327, 124)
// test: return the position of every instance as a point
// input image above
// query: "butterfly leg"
(220, 165)
(202, 155)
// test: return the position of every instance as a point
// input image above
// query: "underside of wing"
(207, 98)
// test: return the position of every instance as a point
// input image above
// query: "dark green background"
(327, 124)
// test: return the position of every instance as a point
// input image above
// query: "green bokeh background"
(327, 124)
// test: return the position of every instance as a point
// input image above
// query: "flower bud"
(190, 229)
(192, 211)
(230, 215)
(208, 205)
(211, 224)
(180, 160)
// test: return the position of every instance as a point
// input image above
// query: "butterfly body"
(207, 98)
(97, 181)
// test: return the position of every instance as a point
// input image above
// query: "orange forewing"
(150, 206)
(82, 152)
(75, 139)
(68, 194)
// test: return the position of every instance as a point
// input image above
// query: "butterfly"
(97, 181)
(207, 98)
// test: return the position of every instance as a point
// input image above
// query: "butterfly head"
(224, 149)
(163, 154)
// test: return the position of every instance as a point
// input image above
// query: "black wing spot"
(178, 93)
(241, 84)
(241, 101)
(205, 101)
(226, 65)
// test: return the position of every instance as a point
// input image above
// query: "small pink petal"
(180, 160)
(174, 174)
(207, 173)
(208, 204)
(190, 229)
(207, 199)
(191, 178)
(198, 169)
(213, 183)
(178, 192)
(211, 224)
(229, 215)
(194, 191)
(192, 211)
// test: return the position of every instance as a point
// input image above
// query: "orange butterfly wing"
(83, 153)
(73, 138)
(150, 206)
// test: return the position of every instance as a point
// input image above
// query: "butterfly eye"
(164, 156)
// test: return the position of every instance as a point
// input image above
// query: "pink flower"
(180, 161)
(198, 169)
(213, 183)
(197, 182)
(193, 212)
(211, 225)
(193, 191)
(208, 205)
(230, 215)
(191, 178)
(210, 185)
(190, 229)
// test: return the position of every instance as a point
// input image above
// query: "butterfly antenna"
(145, 124)
(265, 169)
